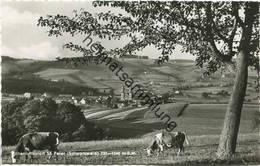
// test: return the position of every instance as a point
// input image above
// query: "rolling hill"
(157, 78)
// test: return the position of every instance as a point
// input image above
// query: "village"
(109, 99)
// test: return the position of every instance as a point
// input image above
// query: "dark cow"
(170, 140)
(36, 141)
(177, 141)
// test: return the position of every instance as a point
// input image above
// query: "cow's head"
(54, 138)
(148, 151)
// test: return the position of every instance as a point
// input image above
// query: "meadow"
(195, 119)
(201, 150)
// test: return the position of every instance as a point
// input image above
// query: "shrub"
(205, 94)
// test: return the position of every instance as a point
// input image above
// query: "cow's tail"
(20, 146)
(186, 138)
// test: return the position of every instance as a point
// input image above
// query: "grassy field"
(196, 119)
(172, 109)
(201, 150)
(106, 112)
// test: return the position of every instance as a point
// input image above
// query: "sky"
(22, 38)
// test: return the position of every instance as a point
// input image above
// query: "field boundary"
(183, 108)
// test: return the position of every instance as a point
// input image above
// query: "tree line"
(18, 86)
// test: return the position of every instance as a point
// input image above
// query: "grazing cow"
(170, 140)
(36, 141)
(156, 145)
(177, 140)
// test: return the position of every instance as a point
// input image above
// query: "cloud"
(42, 51)
(12, 16)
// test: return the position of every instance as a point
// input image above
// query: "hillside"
(169, 75)
(18, 76)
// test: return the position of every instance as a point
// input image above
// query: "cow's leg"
(53, 150)
(18, 156)
(182, 149)
(26, 150)
(13, 157)
(161, 147)
(179, 151)
(31, 155)
(158, 152)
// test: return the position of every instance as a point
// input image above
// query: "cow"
(36, 141)
(177, 141)
(156, 145)
(170, 140)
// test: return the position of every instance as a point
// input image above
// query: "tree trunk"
(228, 138)
(227, 143)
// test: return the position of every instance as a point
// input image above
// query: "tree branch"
(233, 32)
(186, 22)
(235, 13)
(218, 32)
(210, 36)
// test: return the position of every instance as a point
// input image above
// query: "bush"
(205, 94)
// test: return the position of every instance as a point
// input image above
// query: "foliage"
(211, 31)
(70, 116)
(205, 94)
(26, 115)
(12, 121)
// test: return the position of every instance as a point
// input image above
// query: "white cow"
(170, 140)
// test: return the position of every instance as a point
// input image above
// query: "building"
(126, 94)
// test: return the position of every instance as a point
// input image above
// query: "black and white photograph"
(130, 82)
